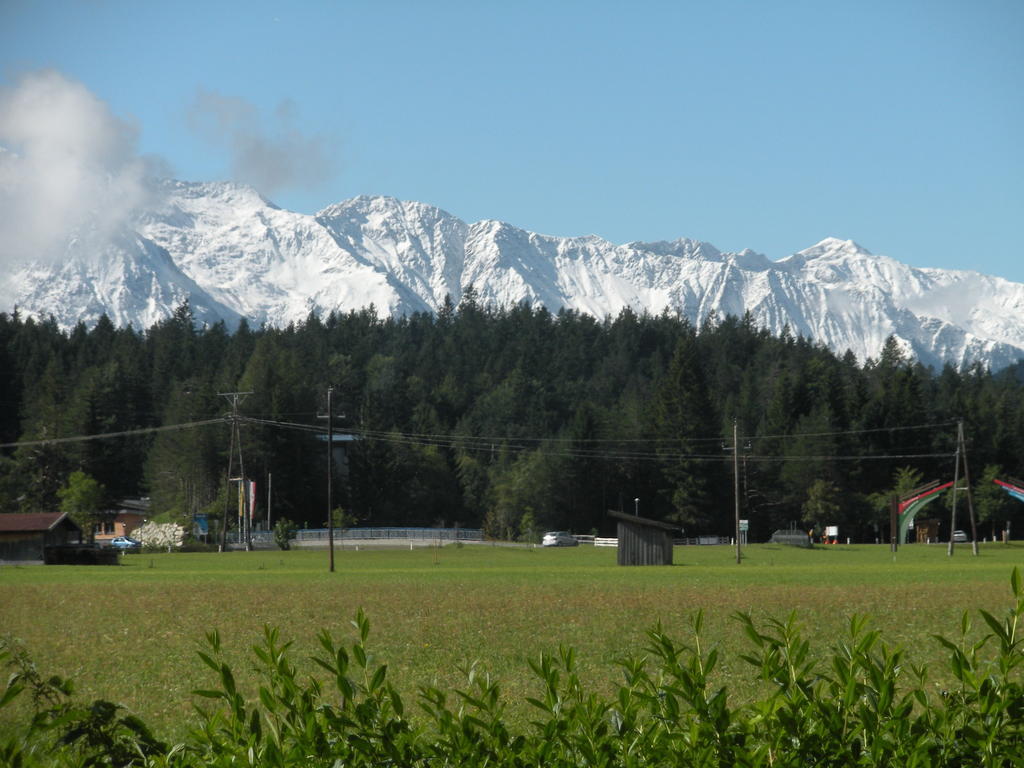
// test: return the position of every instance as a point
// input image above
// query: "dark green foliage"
(480, 415)
(859, 705)
(685, 420)
(82, 498)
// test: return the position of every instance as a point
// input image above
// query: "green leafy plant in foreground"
(862, 705)
(95, 735)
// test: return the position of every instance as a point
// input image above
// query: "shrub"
(284, 531)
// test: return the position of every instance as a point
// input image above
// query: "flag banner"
(252, 500)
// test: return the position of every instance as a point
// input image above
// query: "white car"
(559, 539)
(959, 537)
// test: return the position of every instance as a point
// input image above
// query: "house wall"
(123, 525)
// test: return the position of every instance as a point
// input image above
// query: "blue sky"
(763, 125)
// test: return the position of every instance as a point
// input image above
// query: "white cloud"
(269, 155)
(70, 168)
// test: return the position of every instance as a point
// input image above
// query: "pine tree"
(685, 421)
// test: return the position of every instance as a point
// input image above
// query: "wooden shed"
(25, 536)
(643, 541)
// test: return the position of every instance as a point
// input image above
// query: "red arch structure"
(909, 505)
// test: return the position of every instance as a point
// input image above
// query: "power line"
(110, 435)
(519, 444)
(284, 424)
(553, 445)
(648, 440)
(482, 445)
(854, 431)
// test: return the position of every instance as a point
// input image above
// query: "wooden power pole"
(330, 472)
(736, 483)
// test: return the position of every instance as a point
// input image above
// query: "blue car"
(123, 542)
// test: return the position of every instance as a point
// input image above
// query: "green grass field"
(129, 633)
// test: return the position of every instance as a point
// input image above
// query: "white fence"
(700, 540)
(703, 540)
(392, 532)
(265, 539)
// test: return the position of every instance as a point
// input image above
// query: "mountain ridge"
(235, 254)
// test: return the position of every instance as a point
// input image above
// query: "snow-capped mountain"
(235, 254)
(129, 278)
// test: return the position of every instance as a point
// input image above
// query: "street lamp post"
(636, 506)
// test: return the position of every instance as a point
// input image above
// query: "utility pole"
(330, 468)
(736, 482)
(330, 473)
(970, 493)
(961, 455)
(894, 524)
(235, 398)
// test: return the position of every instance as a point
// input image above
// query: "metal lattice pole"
(236, 399)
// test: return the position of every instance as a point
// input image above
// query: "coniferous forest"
(512, 419)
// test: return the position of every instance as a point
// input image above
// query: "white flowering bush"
(160, 535)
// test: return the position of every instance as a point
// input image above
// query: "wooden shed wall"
(643, 545)
(30, 545)
(26, 545)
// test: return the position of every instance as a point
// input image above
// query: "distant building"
(793, 537)
(26, 536)
(643, 541)
(121, 520)
(341, 444)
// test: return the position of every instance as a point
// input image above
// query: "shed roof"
(643, 521)
(32, 522)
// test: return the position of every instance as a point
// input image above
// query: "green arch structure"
(909, 507)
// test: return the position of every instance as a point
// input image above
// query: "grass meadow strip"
(856, 703)
(121, 633)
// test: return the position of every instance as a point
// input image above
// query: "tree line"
(514, 419)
